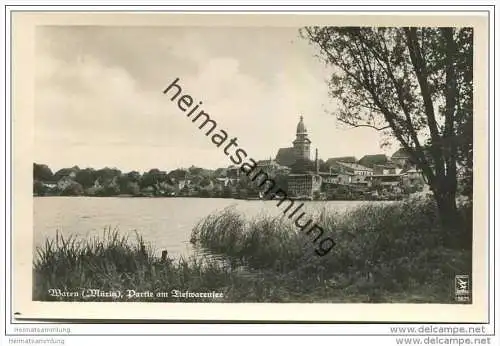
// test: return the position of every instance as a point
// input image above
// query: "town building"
(353, 168)
(345, 177)
(349, 159)
(233, 173)
(304, 185)
(304, 182)
(386, 169)
(301, 144)
(401, 158)
(385, 180)
(224, 182)
(372, 160)
(286, 157)
(272, 167)
(386, 175)
(300, 150)
(412, 176)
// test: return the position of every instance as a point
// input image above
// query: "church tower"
(301, 144)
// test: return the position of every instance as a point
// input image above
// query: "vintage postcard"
(316, 168)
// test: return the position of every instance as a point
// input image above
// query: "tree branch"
(399, 93)
(364, 125)
(421, 73)
(368, 84)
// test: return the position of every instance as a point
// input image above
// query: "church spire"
(302, 142)
(301, 128)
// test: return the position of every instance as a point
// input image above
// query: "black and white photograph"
(316, 163)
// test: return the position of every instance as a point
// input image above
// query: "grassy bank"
(111, 263)
(384, 253)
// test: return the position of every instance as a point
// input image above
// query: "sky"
(99, 100)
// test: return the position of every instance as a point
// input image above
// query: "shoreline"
(242, 248)
(234, 198)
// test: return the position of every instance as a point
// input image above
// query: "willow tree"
(414, 84)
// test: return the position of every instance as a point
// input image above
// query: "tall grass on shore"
(261, 243)
(381, 249)
(384, 253)
(113, 262)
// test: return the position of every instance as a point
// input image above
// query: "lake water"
(165, 222)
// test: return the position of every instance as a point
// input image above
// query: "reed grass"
(262, 243)
(384, 253)
(114, 262)
(381, 249)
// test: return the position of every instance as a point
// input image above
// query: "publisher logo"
(462, 288)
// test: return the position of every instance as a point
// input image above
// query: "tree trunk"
(453, 228)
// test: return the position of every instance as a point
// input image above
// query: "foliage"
(42, 172)
(86, 177)
(106, 174)
(111, 182)
(411, 83)
(65, 172)
(73, 189)
(177, 174)
(133, 176)
(227, 191)
(384, 253)
(153, 177)
(205, 181)
(394, 247)
(113, 262)
(323, 166)
(38, 188)
(198, 171)
(156, 183)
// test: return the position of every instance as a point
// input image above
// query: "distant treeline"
(193, 181)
